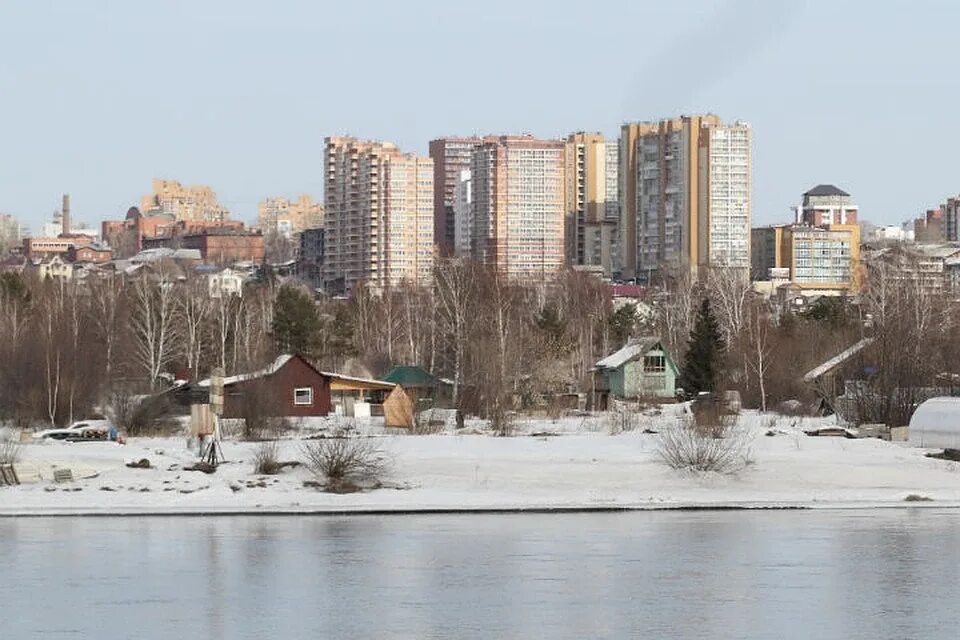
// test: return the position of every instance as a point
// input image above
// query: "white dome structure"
(936, 424)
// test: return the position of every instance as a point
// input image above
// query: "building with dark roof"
(826, 204)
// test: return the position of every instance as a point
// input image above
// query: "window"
(303, 396)
(654, 364)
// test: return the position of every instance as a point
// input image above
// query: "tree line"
(503, 345)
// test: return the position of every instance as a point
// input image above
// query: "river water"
(720, 574)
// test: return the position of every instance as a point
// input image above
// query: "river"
(711, 574)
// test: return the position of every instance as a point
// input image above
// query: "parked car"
(77, 432)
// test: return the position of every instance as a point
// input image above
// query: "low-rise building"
(642, 369)
(821, 260)
(225, 283)
(53, 267)
(37, 248)
(96, 253)
(216, 245)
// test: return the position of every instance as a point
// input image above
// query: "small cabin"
(642, 369)
(290, 386)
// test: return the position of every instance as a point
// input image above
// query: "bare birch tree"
(153, 321)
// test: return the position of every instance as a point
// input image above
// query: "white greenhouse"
(936, 424)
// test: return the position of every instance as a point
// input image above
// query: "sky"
(97, 98)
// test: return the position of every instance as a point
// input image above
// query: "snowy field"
(571, 463)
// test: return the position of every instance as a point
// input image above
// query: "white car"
(90, 430)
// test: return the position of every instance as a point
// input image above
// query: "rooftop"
(826, 190)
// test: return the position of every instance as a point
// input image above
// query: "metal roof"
(826, 190)
(630, 352)
(837, 360)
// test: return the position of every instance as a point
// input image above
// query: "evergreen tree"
(701, 367)
(296, 324)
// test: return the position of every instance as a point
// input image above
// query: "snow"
(627, 353)
(270, 369)
(837, 360)
(571, 463)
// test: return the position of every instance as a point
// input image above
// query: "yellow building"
(685, 195)
(592, 201)
(823, 260)
(287, 218)
(192, 204)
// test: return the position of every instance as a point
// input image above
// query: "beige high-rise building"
(518, 205)
(287, 218)
(192, 204)
(592, 200)
(378, 215)
(685, 195)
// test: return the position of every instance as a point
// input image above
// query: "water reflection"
(880, 574)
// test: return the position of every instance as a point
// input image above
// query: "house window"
(654, 364)
(303, 397)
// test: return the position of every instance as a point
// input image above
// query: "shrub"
(711, 418)
(622, 419)
(265, 460)
(140, 416)
(689, 446)
(501, 420)
(9, 452)
(343, 460)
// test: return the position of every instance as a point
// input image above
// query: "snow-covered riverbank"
(578, 466)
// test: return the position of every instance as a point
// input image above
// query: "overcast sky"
(97, 97)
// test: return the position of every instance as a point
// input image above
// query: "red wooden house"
(290, 387)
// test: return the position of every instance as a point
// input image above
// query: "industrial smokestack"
(65, 214)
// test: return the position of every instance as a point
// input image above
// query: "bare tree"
(106, 299)
(153, 321)
(758, 347)
(456, 285)
(729, 290)
(192, 310)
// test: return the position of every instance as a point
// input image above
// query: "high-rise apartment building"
(518, 205)
(378, 214)
(592, 200)
(685, 195)
(933, 226)
(463, 214)
(10, 233)
(192, 204)
(286, 217)
(450, 157)
(951, 219)
(826, 204)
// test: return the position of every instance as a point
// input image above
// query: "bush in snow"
(692, 446)
(9, 452)
(265, 460)
(622, 419)
(345, 462)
